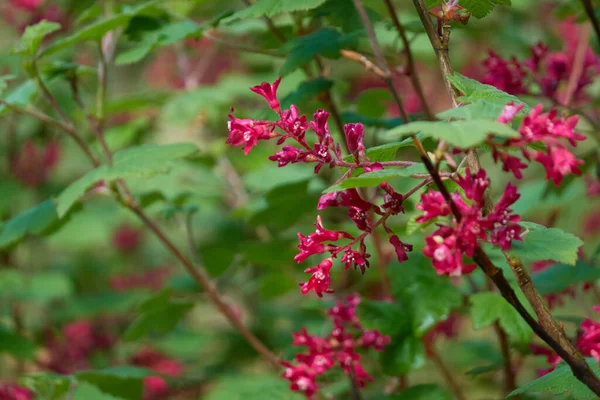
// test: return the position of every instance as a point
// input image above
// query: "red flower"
(551, 357)
(248, 132)
(433, 205)
(126, 238)
(400, 248)
(559, 163)
(354, 138)
(507, 76)
(320, 280)
(269, 92)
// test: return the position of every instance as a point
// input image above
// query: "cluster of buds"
(540, 127)
(449, 244)
(450, 11)
(324, 151)
(339, 347)
(549, 70)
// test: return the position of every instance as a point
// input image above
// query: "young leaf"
(561, 381)
(488, 308)
(140, 161)
(271, 8)
(33, 221)
(548, 244)
(374, 178)
(422, 392)
(33, 36)
(159, 314)
(478, 8)
(462, 133)
(473, 91)
(324, 42)
(123, 382)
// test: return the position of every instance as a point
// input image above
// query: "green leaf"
(478, 109)
(159, 314)
(473, 91)
(140, 162)
(21, 96)
(559, 277)
(422, 392)
(3, 84)
(374, 178)
(33, 36)
(16, 345)
(478, 8)
(561, 381)
(164, 36)
(122, 382)
(402, 355)
(383, 123)
(250, 387)
(548, 244)
(462, 133)
(271, 8)
(86, 391)
(384, 152)
(324, 42)
(488, 308)
(381, 315)
(97, 30)
(49, 386)
(33, 221)
(41, 287)
(372, 103)
(307, 90)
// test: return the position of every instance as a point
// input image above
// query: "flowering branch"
(546, 328)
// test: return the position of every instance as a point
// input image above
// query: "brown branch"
(547, 328)
(446, 373)
(411, 69)
(591, 13)
(359, 58)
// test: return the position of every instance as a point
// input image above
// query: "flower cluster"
(155, 387)
(33, 164)
(549, 70)
(126, 238)
(11, 391)
(540, 127)
(324, 151)
(449, 244)
(339, 346)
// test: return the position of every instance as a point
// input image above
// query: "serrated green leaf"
(548, 244)
(422, 392)
(33, 221)
(140, 161)
(388, 318)
(159, 314)
(478, 8)
(478, 109)
(33, 36)
(271, 8)
(164, 36)
(324, 42)
(307, 91)
(462, 133)
(15, 344)
(402, 355)
(124, 382)
(488, 308)
(474, 91)
(374, 178)
(561, 381)
(250, 387)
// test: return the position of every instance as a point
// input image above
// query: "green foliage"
(547, 244)
(324, 42)
(307, 90)
(559, 277)
(462, 133)
(31, 222)
(561, 381)
(3, 84)
(478, 8)
(15, 344)
(372, 103)
(422, 392)
(402, 355)
(253, 388)
(388, 318)
(123, 382)
(159, 314)
(41, 286)
(271, 8)
(86, 391)
(487, 308)
(374, 178)
(140, 161)
(384, 152)
(47, 385)
(20, 96)
(478, 109)
(33, 36)
(164, 36)
(474, 92)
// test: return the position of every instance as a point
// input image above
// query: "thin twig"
(446, 373)
(578, 65)
(411, 69)
(359, 58)
(591, 13)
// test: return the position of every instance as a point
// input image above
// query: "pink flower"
(293, 123)
(354, 138)
(269, 92)
(551, 358)
(509, 112)
(589, 341)
(13, 391)
(289, 154)
(313, 243)
(126, 238)
(320, 280)
(374, 339)
(155, 388)
(248, 132)
(559, 163)
(400, 248)
(353, 258)
(29, 5)
(433, 205)
(474, 185)
(507, 76)
(441, 247)
(319, 125)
